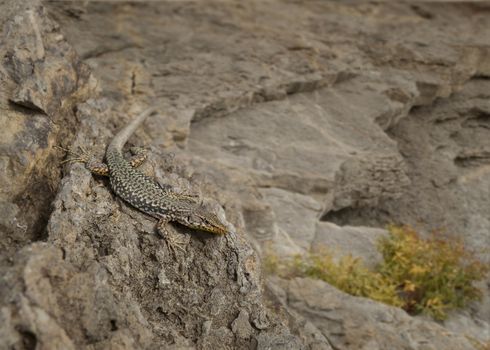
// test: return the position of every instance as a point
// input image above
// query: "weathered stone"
(287, 113)
(241, 325)
(357, 323)
(41, 78)
(360, 242)
(296, 216)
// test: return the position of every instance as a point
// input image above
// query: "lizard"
(143, 192)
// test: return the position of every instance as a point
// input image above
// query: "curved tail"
(125, 133)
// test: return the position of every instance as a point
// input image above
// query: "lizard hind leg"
(97, 168)
(172, 241)
(139, 155)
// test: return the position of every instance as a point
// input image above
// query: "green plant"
(420, 275)
(348, 274)
(433, 275)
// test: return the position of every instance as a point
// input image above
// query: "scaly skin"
(144, 193)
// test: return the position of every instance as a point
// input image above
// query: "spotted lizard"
(144, 193)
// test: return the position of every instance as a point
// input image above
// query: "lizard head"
(204, 220)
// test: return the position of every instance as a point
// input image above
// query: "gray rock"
(42, 78)
(360, 242)
(287, 114)
(296, 216)
(357, 323)
(241, 326)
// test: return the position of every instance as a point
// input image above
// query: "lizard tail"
(122, 136)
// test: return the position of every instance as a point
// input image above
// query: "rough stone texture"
(359, 241)
(445, 147)
(40, 76)
(307, 121)
(296, 216)
(357, 323)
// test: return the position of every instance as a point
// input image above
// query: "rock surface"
(356, 323)
(311, 124)
(41, 78)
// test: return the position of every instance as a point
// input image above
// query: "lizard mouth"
(216, 229)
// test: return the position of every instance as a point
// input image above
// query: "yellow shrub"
(349, 275)
(433, 275)
(420, 275)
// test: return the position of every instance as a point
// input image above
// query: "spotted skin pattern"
(139, 156)
(145, 194)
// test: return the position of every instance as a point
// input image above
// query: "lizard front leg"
(95, 167)
(100, 168)
(172, 241)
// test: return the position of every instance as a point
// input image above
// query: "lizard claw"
(172, 241)
(176, 244)
(82, 157)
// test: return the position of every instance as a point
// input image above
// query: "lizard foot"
(139, 156)
(174, 243)
(84, 157)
